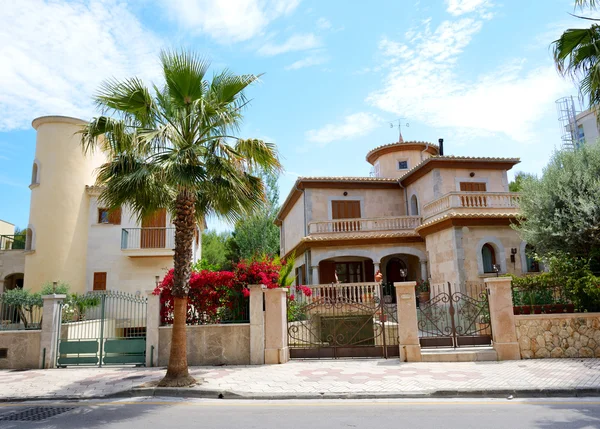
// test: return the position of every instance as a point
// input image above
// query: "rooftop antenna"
(397, 123)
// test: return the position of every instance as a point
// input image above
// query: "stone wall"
(559, 335)
(210, 344)
(23, 349)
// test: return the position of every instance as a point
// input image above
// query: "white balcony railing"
(362, 293)
(398, 223)
(147, 238)
(472, 200)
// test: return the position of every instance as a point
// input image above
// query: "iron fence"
(12, 242)
(19, 316)
(454, 316)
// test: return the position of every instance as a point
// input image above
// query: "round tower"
(59, 211)
(394, 159)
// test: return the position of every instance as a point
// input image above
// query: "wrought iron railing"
(147, 238)
(17, 316)
(472, 200)
(396, 223)
(12, 242)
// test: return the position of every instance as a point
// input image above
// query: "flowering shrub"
(214, 297)
(220, 296)
(305, 290)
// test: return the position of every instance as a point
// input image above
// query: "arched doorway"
(13, 281)
(346, 269)
(392, 270)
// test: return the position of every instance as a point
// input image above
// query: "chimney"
(441, 142)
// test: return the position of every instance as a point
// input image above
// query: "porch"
(471, 202)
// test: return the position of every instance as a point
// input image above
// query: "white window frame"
(399, 160)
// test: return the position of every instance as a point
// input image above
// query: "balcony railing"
(363, 293)
(398, 223)
(12, 242)
(147, 238)
(472, 200)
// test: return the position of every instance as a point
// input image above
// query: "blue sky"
(476, 72)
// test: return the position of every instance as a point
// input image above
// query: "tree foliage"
(257, 235)
(577, 55)
(560, 210)
(517, 184)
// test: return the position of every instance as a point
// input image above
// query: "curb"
(182, 392)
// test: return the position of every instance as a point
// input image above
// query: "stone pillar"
(51, 319)
(1, 286)
(376, 267)
(315, 275)
(276, 337)
(408, 332)
(152, 325)
(423, 269)
(502, 319)
(257, 325)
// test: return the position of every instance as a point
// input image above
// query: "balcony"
(12, 242)
(397, 223)
(473, 202)
(144, 242)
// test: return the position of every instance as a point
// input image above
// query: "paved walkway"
(327, 378)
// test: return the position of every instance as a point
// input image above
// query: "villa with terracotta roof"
(421, 215)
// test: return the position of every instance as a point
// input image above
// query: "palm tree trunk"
(185, 224)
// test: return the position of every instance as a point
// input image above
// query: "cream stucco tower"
(58, 219)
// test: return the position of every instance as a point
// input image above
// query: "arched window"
(533, 266)
(414, 206)
(35, 174)
(488, 256)
(29, 239)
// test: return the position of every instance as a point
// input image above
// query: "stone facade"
(559, 335)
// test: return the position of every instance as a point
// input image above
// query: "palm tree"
(173, 147)
(577, 55)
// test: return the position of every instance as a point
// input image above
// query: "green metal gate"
(102, 328)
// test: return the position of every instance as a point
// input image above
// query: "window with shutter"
(473, 187)
(99, 281)
(345, 210)
(114, 216)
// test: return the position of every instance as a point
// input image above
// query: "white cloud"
(423, 83)
(355, 125)
(311, 60)
(228, 21)
(323, 23)
(54, 56)
(296, 42)
(460, 7)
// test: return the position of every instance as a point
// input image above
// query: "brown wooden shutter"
(345, 209)
(99, 281)
(369, 271)
(154, 238)
(114, 216)
(326, 272)
(472, 186)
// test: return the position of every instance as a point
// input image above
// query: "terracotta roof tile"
(455, 215)
(358, 235)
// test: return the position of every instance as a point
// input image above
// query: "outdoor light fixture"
(496, 269)
(403, 273)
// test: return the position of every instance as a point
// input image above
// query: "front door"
(345, 209)
(154, 230)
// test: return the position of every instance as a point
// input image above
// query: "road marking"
(313, 403)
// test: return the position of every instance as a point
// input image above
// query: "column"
(424, 275)
(1, 286)
(257, 325)
(408, 332)
(276, 339)
(51, 320)
(376, 267)
(315, 275)
(152, 325)
(502, 319)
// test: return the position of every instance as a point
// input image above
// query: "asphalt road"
(166, 413)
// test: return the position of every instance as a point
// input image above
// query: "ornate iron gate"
(342, 321)
(455, 319)
(102, 328)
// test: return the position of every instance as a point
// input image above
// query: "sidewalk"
(319, 379)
